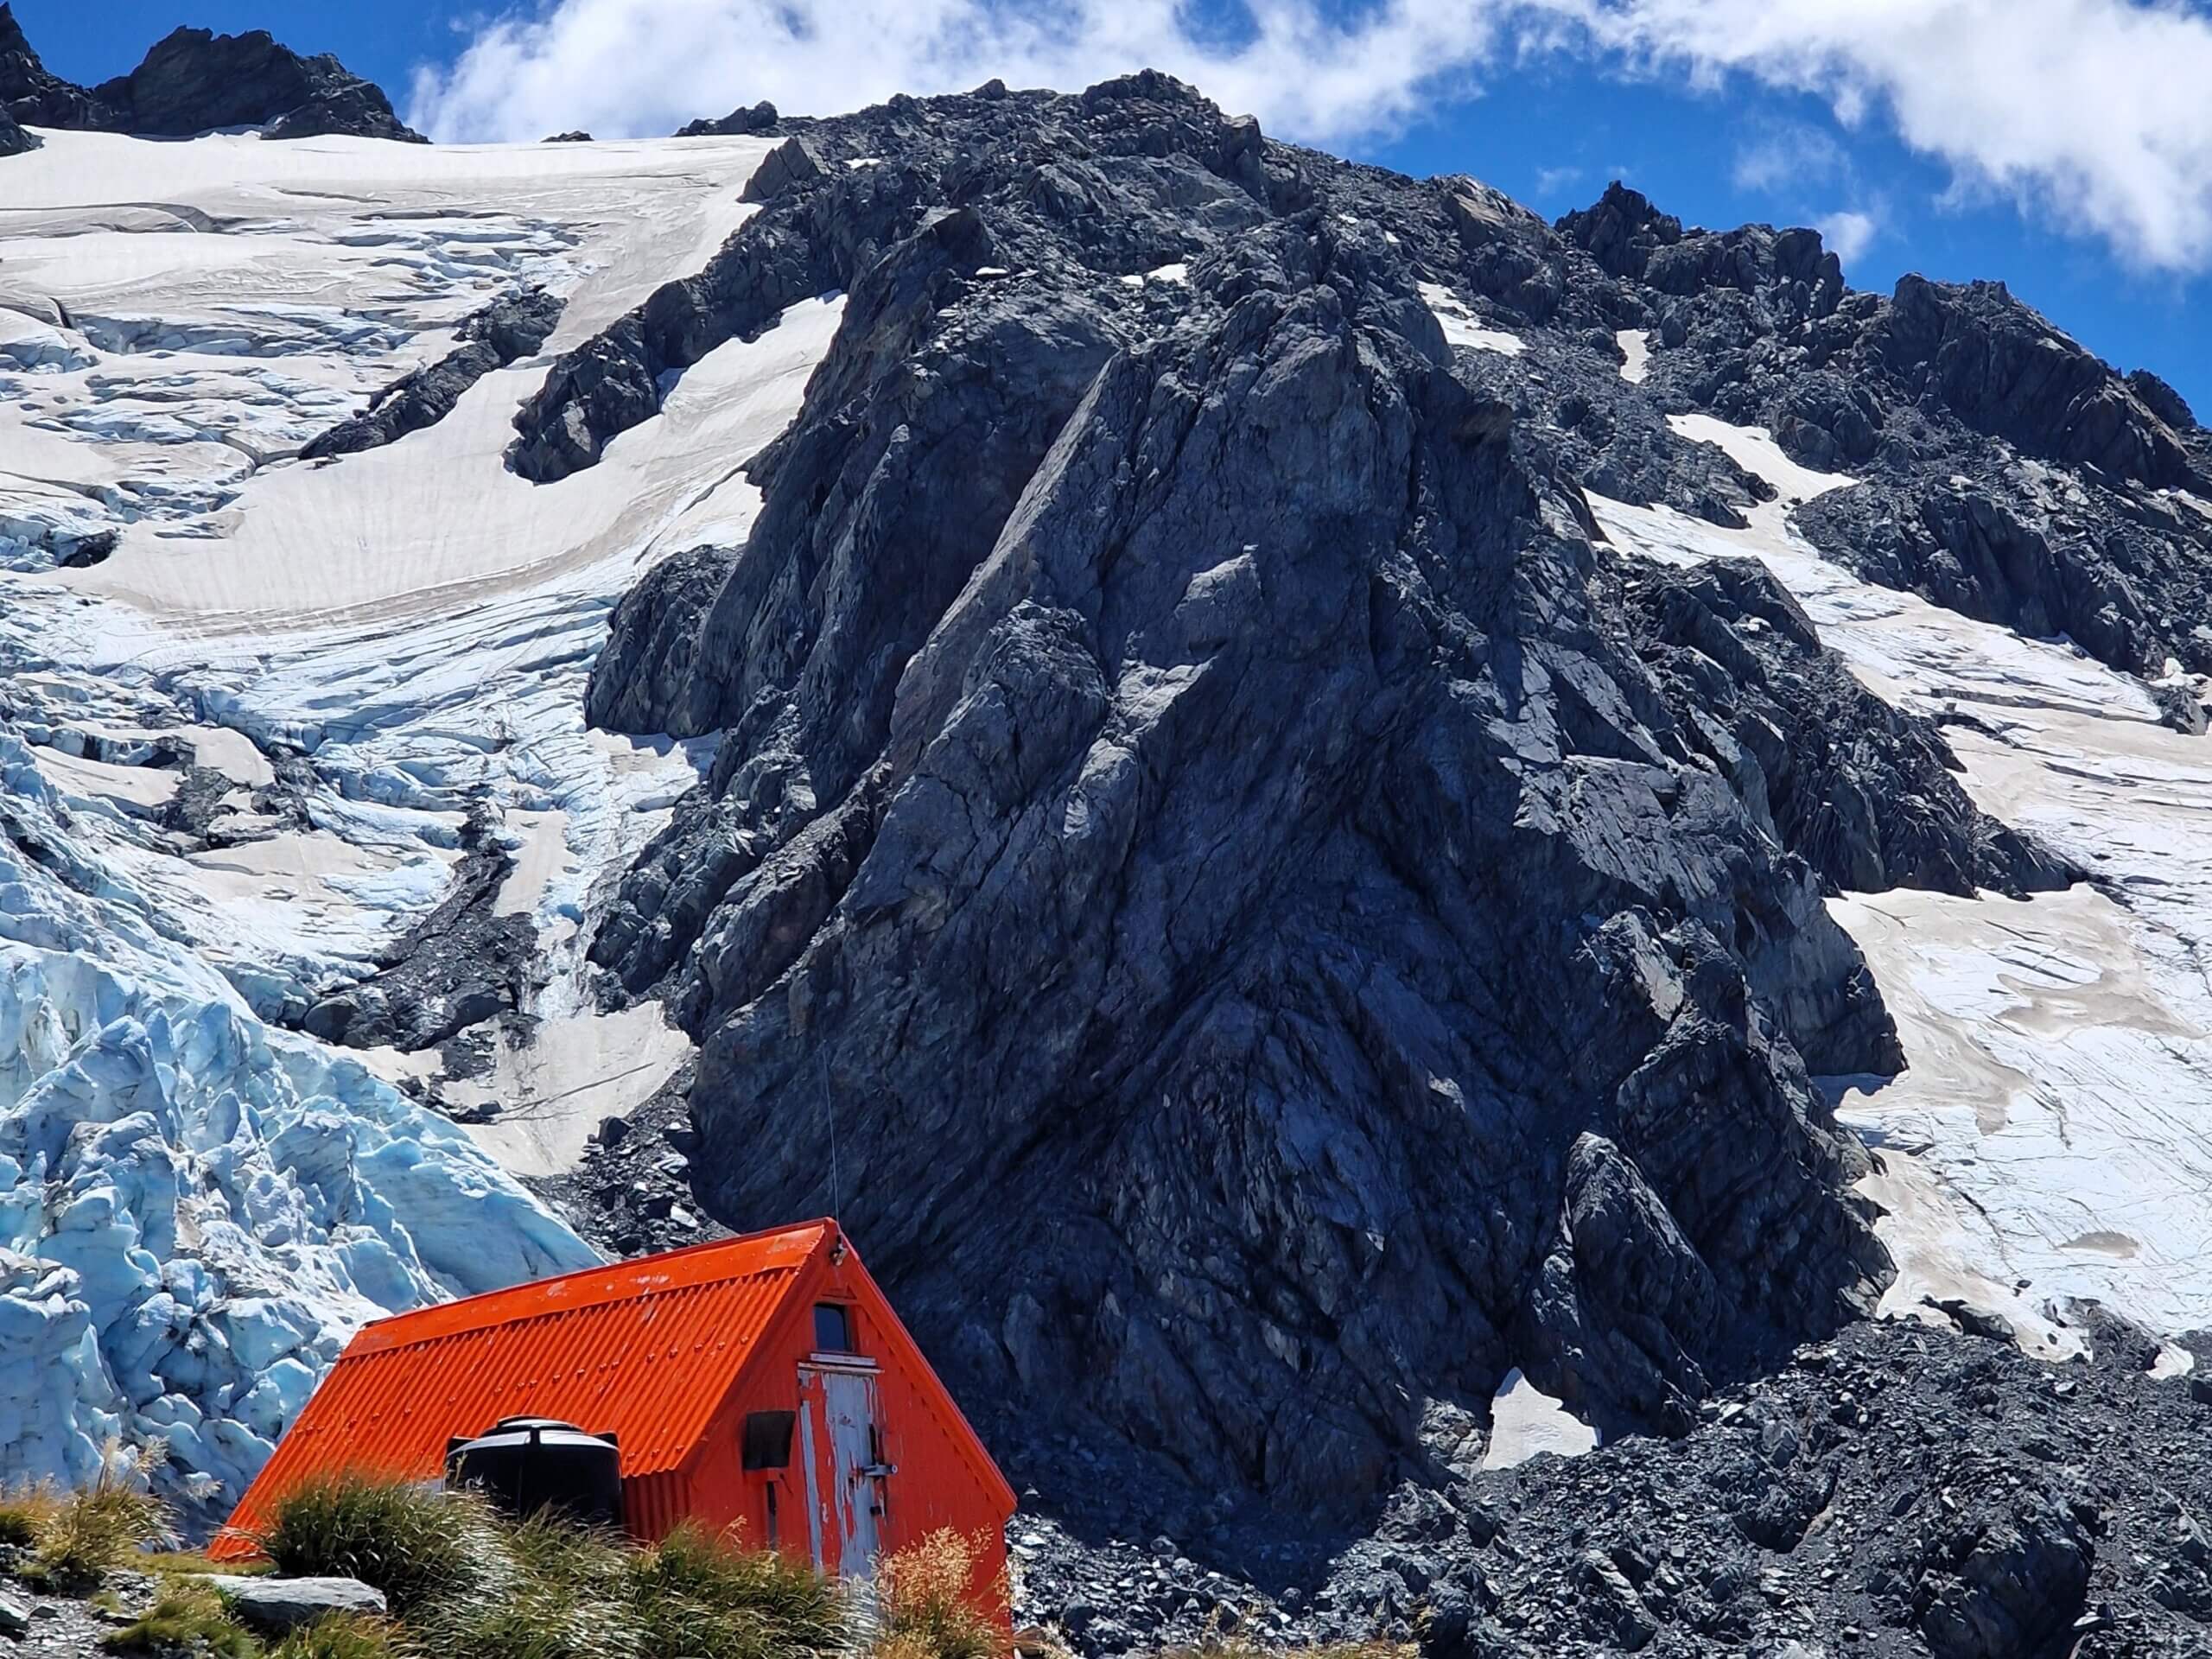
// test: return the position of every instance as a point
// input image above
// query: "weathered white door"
(849, 1401)
(839, 1445)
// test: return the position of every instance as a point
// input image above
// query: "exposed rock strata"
(1184, 767)
(514, 326)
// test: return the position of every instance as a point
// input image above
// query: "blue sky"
(2095, 205)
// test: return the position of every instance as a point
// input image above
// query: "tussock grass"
(929, 1606)
(466, 1583)
(706, 1596)
(188, 1617)
(421, 1548)
(340, 1635)
(194, 1563)
(25, 1508)
(76, 1539)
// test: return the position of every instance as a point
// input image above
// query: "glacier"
(251, 706)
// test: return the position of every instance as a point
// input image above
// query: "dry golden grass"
(76, 1539)
(929, 1606)
(25, 1508)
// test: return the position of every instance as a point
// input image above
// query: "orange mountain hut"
(762, 1382)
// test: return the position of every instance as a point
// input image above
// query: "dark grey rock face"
(194, 79)
(14, 140)
(739, 123)
(514, 326)
(1184, 768)
(1861, 790)
(1280, 923)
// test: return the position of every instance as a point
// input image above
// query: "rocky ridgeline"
(193, 80)
(1282, 924)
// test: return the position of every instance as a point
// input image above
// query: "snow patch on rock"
(1462, 328)
(2048, 1140)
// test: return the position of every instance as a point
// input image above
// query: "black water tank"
(527, 1464)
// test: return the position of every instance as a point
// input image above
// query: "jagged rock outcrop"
(1860, 790)
(1181, 766)
(513, 327)
(14, 140)
(739, 123)
(194, 79)
(2070, 523)
(881, 175)
(1622, 230)
(2009, 374)
(792, 164)
(32, 93)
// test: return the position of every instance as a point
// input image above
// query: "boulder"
(2006, 1579)
(274, 1606)
(789, 163)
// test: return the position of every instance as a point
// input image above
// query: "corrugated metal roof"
(643, 1349)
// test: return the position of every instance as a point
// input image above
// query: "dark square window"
(768, 1438)
(833, 1328)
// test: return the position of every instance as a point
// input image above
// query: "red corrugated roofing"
(643, 1350)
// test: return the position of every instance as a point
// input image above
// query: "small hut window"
(833, 1328)
(768, 1439)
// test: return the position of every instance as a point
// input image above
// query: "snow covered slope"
(2052, 1137)
(261, 717)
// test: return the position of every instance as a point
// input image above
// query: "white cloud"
(2092, 112)
(1789, 155)
(1848, 232)
(632, 66)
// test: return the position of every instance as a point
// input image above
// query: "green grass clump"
(338, 1636)
(930, 1606)
(78, 1538)
(464, 1582)
(421, 1548)
(704, 1597)
(188, 1617)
